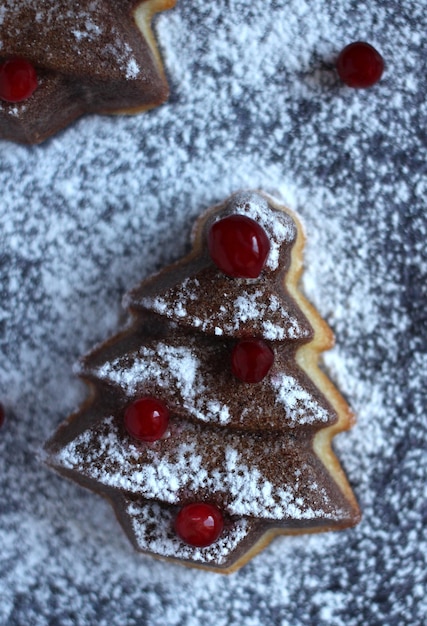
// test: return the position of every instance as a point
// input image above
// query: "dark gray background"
(255, 103)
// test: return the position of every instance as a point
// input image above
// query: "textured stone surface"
(256, 103)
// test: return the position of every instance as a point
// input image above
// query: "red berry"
(238, 246)
(251, 360)
(360, 65)
(146, 419)
(199, 524)
(18, 80)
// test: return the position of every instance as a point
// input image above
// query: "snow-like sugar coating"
(299, 403)
(154, 473)
(252, 304)
(259, 306)
(256, 104)
(168, 367)
(278, 225)
(163, 541)
(183, 373)
(85, 24)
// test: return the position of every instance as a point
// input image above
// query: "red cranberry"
(251, 360)
(238, 246)
(199, 524)
(360, 65)
(146, 419)
(18, 80)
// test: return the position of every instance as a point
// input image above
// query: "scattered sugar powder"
(167, 366)
(255, 104)
(179, 368)
(86, 24)
(279, 226)
(252, 305)
(165, 542)
(154, 473)
(300, 405)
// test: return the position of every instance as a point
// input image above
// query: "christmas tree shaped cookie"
(209, 425)
(59, 60)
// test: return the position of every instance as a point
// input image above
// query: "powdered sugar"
(162, 472)
(256, 104)
(279, 227)
(300, 405)
(245, 300)
(251, 304)
(252, 307)
(86, 26)
(168, 367)
(167, 364)
(165, 542)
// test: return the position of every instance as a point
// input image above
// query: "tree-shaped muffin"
(62, 59)
(209, 422)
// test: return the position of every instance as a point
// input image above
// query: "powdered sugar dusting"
(193, 390)
(178, 364)
(299, 403)
(252, 307)
(87, 28)
(253, 304)
(159, 473)
(279, 226)
(256, 104)
(165, 541)
(169, 367)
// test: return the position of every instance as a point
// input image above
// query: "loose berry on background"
(146, 419)
(359, 65)
(18, 80)
(238, 246)
(199, 524)
(251, 360)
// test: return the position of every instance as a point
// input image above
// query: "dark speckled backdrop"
(255, 103)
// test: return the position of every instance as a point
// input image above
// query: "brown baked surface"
(98, 57)
(261, 452)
